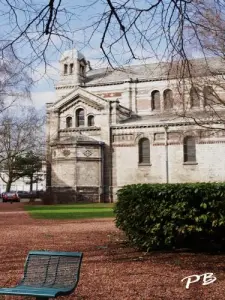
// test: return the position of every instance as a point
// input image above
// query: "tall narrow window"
(71, 68)
(82, 69)
(210, 96)
(80, 117)
(194, 96)
(68, 122)
(168, 99)
(189, 149)
(91, 121)
(144, 151)
(155, 100)
(65, 69)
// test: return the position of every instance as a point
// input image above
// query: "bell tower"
(73, 67)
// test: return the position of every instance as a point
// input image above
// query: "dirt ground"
(110, 269)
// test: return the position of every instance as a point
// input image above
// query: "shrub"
(167, 216)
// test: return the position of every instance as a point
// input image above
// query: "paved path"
(11, 207)
(110, 269)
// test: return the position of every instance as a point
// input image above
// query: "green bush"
(168, 216)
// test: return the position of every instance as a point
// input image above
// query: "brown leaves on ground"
(110, 269)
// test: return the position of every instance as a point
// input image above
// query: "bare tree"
(15, 83)
(19, 134)
(143, 29)
(126, 30)
(201, 82)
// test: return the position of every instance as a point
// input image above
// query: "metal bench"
(48, 275)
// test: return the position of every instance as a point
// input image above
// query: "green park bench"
(48, 275)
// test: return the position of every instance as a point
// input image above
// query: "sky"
(43, 89)
(45, 70)
(80, 39)
(78, 21)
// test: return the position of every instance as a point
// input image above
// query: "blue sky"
(73, 21)
(45, 75)
(79, 39)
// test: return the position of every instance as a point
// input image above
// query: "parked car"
(23, 194)
(28, 195)
(10, 197)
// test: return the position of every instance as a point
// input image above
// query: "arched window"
(80, 117)
(144, 151)
(210, 96)
(155, 100)
(91, 121)
(68, 122)
(189, 149)
(71, 68)
(168, 99)
(194, 96)
(65, 69)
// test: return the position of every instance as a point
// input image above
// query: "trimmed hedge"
(168, 216)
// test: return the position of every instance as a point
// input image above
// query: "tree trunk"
(8, 185)
(31, 189)
(31, 183)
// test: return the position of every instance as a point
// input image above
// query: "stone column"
(48, 167)
(48, 147)
(134, 96)
(127, 94)
(56, 123)
(113, 111)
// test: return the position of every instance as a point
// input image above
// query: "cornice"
(84, 101)
(65, 87)
(174, 124)
(85, 85)
(78, 129)
(124, 81)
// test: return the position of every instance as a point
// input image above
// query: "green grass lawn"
(71, 211)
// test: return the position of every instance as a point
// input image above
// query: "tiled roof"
(154, 71)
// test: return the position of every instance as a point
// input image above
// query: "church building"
(136, 124)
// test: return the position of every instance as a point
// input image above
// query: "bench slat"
(30, 291)
(48, 274)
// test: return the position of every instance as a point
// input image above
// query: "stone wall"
(209, 166)
(96, 173)
(68, 195)
(76, 172)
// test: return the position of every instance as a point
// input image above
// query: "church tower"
(73, 67)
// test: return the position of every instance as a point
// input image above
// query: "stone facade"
(100, 117)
